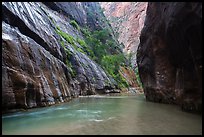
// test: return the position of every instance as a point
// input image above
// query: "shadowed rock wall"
(169, 56)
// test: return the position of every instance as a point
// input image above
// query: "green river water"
(104, 115)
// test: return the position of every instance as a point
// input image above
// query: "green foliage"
(106, 53)
(81, 42)
(121, 81)
(69, 65)
(62, 44)
(58, 29)
(74, 24)
(70, 40)
(99, 46)
(66, 50)
(129, 57)
(80, 50)
(138, 77)
(86, 32)
(72, 71)
(102, 35)
(66, 36)
(86, 49)
(112, 63)
(100, 42)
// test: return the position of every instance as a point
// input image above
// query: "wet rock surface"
(31, 76)
(170, 56)
(34, 70)
(85, 13)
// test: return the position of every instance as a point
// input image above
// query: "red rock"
(126, 18)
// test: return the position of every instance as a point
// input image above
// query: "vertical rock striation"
(127, 20)
(35, 70)
(169, 56)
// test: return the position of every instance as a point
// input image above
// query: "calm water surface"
(104, 116)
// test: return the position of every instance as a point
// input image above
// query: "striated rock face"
(34, 64)
(85, 13)
(127, 20)
(130, 76)
(170, 54)
(31, 76)
(73, 10)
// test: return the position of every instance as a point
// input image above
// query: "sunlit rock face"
(170, 54)
(130, 76)
(127, 20)
(34, 70)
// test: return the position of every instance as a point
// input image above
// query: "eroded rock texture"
(130, 76)
(127, 20)
(34, 63)
(170, 54)
(85, 13)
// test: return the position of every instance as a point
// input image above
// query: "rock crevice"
(15, 21)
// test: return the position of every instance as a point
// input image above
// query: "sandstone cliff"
(127, 20)
(39, 67)
(170, 54)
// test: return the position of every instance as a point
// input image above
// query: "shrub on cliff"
(74, 24)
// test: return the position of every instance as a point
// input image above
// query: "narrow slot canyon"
(101, 68)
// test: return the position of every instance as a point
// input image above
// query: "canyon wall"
(39, 68)
(169, 56)
(127, 20)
